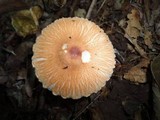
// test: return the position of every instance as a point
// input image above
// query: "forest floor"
(132, 26)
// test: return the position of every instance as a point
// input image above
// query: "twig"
(101, 6)
(134, 43)
(137, 48)
(87, 106)
(91, 8)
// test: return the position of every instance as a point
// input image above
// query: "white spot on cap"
(64, 47)
(86, 56)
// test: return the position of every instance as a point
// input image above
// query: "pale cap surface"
(73, 57)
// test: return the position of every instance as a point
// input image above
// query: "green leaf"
(25, 22)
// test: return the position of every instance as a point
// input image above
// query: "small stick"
(137, 48)
(90, 9)
(101, 6)
(87, 106)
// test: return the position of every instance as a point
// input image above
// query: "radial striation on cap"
(73, 57)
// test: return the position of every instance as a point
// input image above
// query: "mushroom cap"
(73, 57)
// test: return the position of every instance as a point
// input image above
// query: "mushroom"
(73, 57)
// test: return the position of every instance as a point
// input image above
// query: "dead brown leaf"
(148, 39)
(137, 73)
(134, 27)
(133, 30)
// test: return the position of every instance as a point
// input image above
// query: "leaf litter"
(133, 27)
